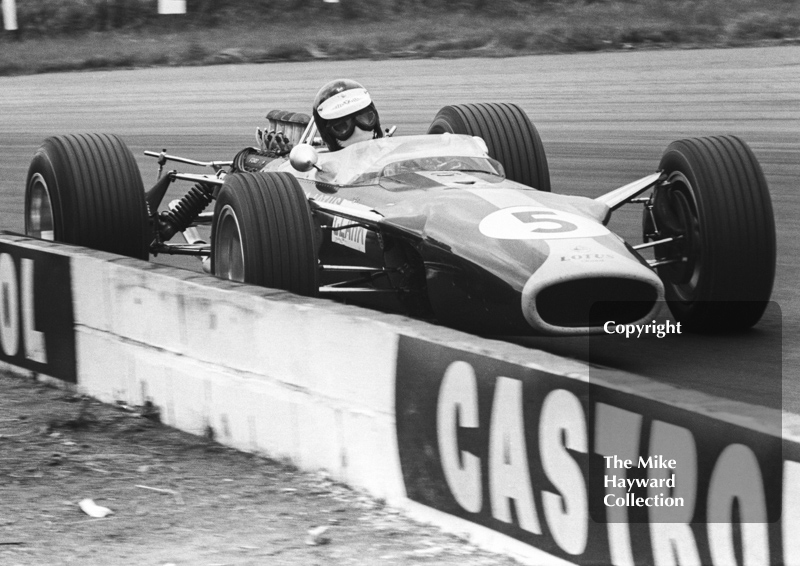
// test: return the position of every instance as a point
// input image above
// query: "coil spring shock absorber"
(185, 211)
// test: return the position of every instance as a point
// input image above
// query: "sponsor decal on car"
(346, 233)
(36, 317)
(587, 473)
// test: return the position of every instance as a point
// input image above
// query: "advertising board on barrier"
(36, 313)
(585, 472)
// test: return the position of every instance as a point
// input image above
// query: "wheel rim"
(687, 290)
(228, 249)
(39, 222)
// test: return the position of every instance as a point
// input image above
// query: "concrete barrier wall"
(478, 436)
(265, 371)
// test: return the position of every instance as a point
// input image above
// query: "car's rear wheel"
(86, 190)
(509, 135)
(263, 233)
(716, 202)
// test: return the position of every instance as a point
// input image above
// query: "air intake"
(595, 301)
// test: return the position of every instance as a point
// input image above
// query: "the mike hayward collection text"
(630, 499)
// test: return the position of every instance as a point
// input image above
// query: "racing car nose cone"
(583, 284)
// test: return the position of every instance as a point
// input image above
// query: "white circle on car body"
(538, 223)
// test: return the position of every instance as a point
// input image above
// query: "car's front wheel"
(719, 271)
(263, 233)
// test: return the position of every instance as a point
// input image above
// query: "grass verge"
(553, 27)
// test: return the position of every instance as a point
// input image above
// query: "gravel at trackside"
(179, 499)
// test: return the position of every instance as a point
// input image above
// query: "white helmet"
(345, 114)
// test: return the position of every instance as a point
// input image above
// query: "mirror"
(303, 157)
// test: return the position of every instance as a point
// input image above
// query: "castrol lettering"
(37, 326)
(586, 473)
(17, 324)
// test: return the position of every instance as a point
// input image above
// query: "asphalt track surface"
(604, 118)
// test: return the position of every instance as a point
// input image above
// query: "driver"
(345, 114)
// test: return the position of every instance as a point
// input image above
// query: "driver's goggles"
(343, 128)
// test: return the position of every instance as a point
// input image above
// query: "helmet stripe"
(344, 103)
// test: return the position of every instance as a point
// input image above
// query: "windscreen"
(444, 163)
(366, 162)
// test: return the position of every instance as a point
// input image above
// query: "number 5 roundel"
(538, 223)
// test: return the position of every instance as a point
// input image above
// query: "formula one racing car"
(457, 226)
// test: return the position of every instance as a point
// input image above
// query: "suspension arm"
(164, 157)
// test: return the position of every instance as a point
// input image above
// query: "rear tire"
(718, 199)
(86, 190)
(509, 135)
(263, 233)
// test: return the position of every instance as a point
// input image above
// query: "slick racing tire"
(717, 200)
(263, 233)
(86, 190)
(509, 135)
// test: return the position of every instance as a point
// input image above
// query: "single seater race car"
(457, 226)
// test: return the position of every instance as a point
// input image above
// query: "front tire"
(509, 135)
(717, 199)
(86, 190)
(263, 233)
